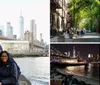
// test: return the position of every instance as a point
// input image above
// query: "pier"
(70, 64)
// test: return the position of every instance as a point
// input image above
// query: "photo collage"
(49, 42)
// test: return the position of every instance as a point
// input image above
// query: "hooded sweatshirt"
(9, 72)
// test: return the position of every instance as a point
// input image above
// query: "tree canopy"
(85, 14)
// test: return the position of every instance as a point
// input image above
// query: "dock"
(64, 64)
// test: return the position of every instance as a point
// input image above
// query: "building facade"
(32, 26)
(35, 45)
(19, 46)
(0, 32)
(15, 36)
(59, 16)
(30, 36)
(9, 32)
(21, 23)
(33, 29)
(14, 46)
(35, 32)
(27, 35)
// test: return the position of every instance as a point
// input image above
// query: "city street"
(88, 37)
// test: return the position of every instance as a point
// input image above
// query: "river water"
(36, 69)
(91, 71)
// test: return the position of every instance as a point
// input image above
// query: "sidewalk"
(91, 35)
(61, 39)
(88, 37)
(54, 39)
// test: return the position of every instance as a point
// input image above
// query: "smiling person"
(9, 70)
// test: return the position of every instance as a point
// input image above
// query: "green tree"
(85, 13)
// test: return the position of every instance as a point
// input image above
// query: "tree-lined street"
(84, 19)
(85, 14)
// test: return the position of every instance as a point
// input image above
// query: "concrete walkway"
(24, 81)
(88, 37)
(90, 81)
(54, 39)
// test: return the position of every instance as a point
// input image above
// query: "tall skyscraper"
(32, 27)
(40, 36)
(2, 30)
(35, 33)
(9, 32)
(21, 27)
(41, 39)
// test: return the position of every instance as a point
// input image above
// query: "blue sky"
(31, 9)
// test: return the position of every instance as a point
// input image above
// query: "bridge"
(5, 38)
(60, 59)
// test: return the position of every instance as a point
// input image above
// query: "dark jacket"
(9, 72)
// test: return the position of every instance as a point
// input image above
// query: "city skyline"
(10, 12)
(82, 49)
